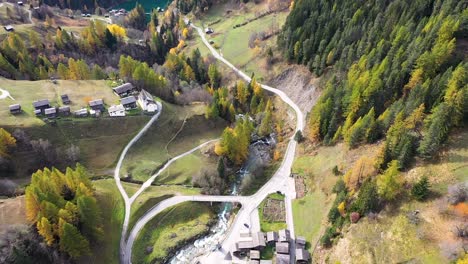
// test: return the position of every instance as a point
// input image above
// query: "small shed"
(116, 110)
(65, 99)
(302, 255)
(20, 3)
(209, 30)
(15, 109)
(282, 248)
(283, 259)
(272, 237)
(37, 112)
(128, 102)
(64, 110)
(51, 112)
(124, 89)
(81, 113)
(9, 28)
(254, 254)
(284, 235)
(97, 104)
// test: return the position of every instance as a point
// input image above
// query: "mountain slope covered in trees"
(397, 69)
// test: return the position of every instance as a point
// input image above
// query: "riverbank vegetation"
(172, 229)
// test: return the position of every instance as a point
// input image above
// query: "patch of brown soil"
(274, 210)
(12, 212)
(300, 85)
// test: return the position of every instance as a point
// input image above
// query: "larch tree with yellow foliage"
(64, 209)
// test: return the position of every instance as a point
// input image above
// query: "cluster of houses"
(129, 98)
(250, 245)
(117, 12)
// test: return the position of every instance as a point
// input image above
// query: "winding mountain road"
(280, 181)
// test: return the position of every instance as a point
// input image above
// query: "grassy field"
(170, 229)
(310, 211)
(392, 239)
(100, 140)
(25, 92)
(156, 147)
(153, 195)
(233, 42)
(112, 206)
(266, 225)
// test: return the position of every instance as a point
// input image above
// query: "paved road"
(117, 172)
(280, 181)
(158, 208)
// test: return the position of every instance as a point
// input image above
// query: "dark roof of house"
(282, 247)
(126, 87)
(63, 109)
(40, 103)
(97, 102)
(15, 107)
(145, 96)
(302, 254)
(128, 100)
(64, 97)
(51, 110)
(282, 259)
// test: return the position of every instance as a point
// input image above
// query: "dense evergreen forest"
(394, 68)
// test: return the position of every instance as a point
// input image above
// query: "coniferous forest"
(394, 69)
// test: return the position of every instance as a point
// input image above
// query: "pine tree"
(390, 182)
(421, 189)
(72, 242)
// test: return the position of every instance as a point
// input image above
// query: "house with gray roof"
(272, 237)
(64, 110)
(283, 259)
(41, 105)
(258, 240)
(302, 255)
(97, 105)
(81, 113)
(128, 102)
(15, 109)
(124, 89)
(284, 235)
(51, 112)
(282, 248)
(254, 255)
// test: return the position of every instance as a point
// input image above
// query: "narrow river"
(212, 241)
